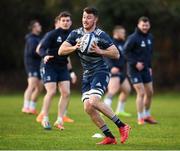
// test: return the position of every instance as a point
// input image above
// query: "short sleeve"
(72, 38)
(105, 41)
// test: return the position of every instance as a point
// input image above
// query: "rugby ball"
(86, 41)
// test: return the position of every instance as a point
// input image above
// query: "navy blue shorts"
(121, 75)
(136, 76)
(96, 85)
(54, 73)
(33, 71)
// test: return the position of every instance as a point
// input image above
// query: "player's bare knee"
(65, 94)
(88, 107)
(51, 92)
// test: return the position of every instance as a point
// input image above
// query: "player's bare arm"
(66, 48)
(37, 48)
(111, 52)
(72, 73)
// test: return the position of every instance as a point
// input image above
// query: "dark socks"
(106, 131)
(117, 121)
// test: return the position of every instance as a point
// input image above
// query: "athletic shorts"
(33, 72)
(95, 85)
(136, 76)
(121, 75)
(54, 73)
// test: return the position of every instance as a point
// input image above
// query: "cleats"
(141, 121)
(150, 120)
(59, 125)
(25, 110)
(40, 118)
(124, 132)
(46, 125)
(123, 113)
(107, 141)
(33, 111)
(67, 119)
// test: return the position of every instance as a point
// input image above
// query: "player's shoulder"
(150, 35)
(132, 37)
(78, 31)
(30, 37)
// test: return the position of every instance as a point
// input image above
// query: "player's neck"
(90, 30)
(35, 33)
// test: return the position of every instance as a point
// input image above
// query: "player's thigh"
(114, 85)
(51, 87)
(146, 76)
(64, 88)
(33, 81)
(149, 88)
(125, 86)
(99, 83)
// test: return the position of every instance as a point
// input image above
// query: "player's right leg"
(49, 77)
(98, 86)
(32, 84)
(125, 89)
(34, 97)
(43, 116)
(64, 88)
(113, 88)
(99, 122)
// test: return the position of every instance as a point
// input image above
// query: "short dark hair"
(91, 10)
(32, 23)
(63, 14)
(144, 19)
(117, 27)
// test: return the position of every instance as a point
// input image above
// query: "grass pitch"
(21, 131)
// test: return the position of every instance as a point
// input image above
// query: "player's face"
(144, 26)
(64, 23)
(37, 27)
(88, 21)
(120, 34)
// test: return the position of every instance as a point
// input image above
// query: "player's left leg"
(64, 88)
(147, 103)
(125, 90)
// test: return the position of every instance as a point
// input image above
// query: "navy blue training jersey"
(119, 63)
(31, 58)
(50, 45)
(91, 62)
(138, 48)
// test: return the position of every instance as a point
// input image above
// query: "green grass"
(20, 131)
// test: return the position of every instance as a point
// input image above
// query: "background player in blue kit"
(118, 80)
(138, 51)
(54, 70)
(32, 66)
(96, 72)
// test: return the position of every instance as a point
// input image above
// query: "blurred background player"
(96, 73)
(138, 51)
(118, 80)
(54, 70)
(32, 66)
(73, 76)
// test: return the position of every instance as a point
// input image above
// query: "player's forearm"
(65, 50)
(111, 54)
